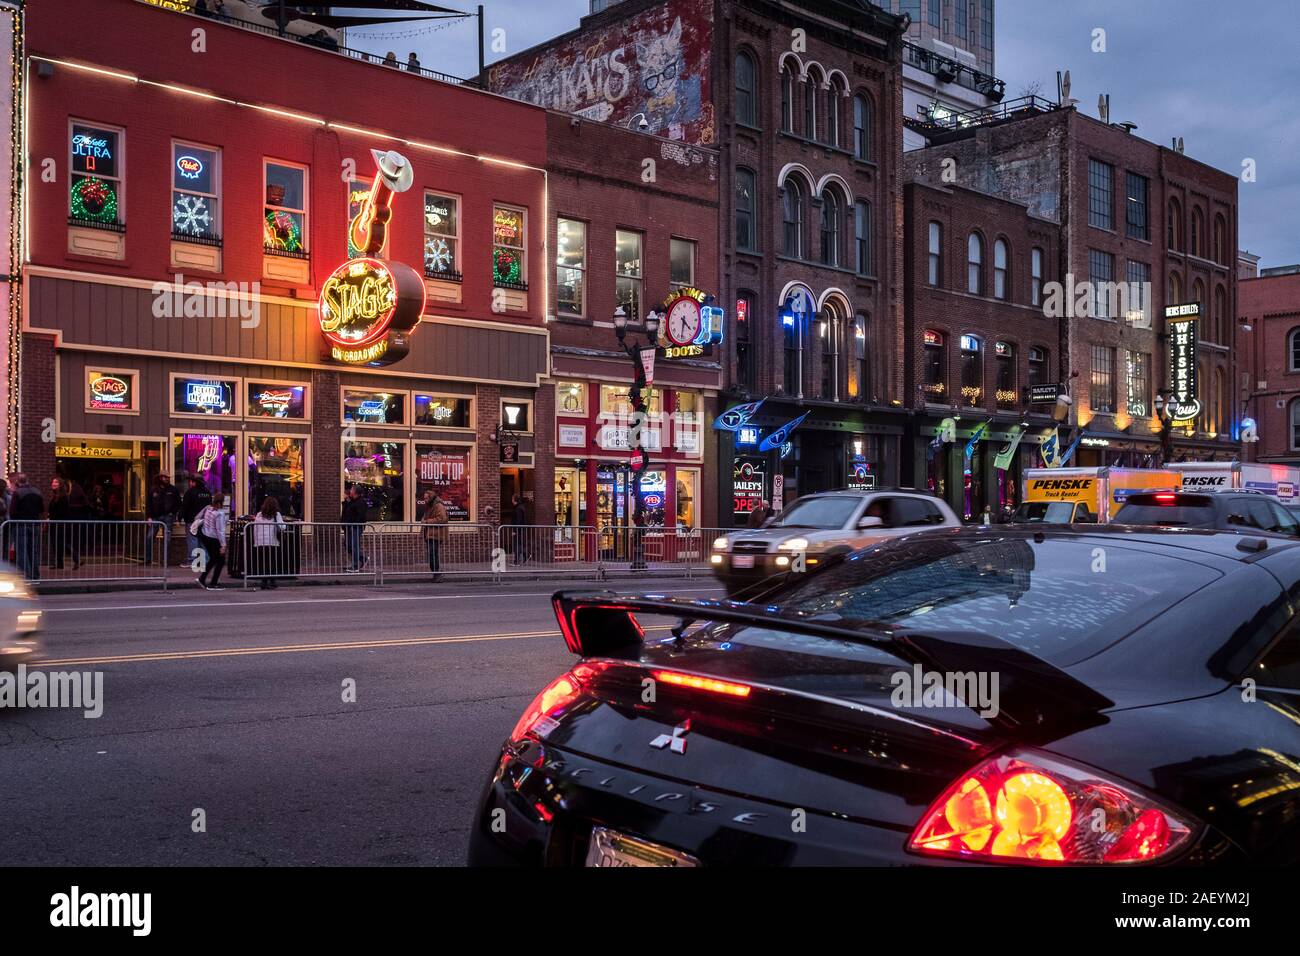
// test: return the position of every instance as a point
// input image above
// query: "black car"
(1224, 510)
(824, 722)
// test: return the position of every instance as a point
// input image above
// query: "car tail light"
(554, 698)
(1030, 808)
(1166, 499)
(703, 683)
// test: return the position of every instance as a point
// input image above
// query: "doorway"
(517, 481)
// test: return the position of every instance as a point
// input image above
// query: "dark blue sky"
(1222, 76)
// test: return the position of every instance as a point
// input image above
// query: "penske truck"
(1277, 481)
(1082, 495)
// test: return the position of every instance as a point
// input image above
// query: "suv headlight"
(794, 544)
(721, 544)
(13, 586)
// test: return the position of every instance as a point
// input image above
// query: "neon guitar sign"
(369, 305)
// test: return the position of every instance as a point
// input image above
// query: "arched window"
(975, 264)
(1008, 391)
(1221, 414)
(745, 339)
(1175, 289)
(934, 365)
(1220, 240)
(794, 326)
(972, 371)
(832, 336)
(811, 86)
(1293, 350)
(787, 98)
(1295, 425)
(834, 97)
(1220, 313)
(1036, 276)
(1001, 287)
(860, 387)
(1038, 371)
(1174, 220)
(862, 232)
(935, 250)
(862, 121)
(831, 227)
(1198, 296)
(746, 90)
(746, 206)
(1198, 232)
(793, 217)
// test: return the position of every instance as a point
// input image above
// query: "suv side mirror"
(871, 521)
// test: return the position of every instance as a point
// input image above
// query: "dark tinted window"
(1281, 665)
(1058, 599)
(1285, 521)
(915, 511)
(1184, 511)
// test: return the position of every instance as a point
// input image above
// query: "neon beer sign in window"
(110, 392)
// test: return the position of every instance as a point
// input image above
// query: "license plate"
(742, 561)
(611, 848)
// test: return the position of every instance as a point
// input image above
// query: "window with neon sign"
(284, 220)
(374, 408)
(267, 400)
(448, 470)
(441, 236)
(508, 255)
(443, 411)
(95, 193)
(195, 192)
(110, 391)
(204, 396)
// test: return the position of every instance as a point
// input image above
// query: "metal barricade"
(308, 549)
(87, 550)
(627, 548)
(455, 548)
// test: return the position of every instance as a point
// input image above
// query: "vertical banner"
(648, 365)
(1002, 461)
(1050, 449)
(1182, 326)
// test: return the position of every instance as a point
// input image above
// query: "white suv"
(822, 526)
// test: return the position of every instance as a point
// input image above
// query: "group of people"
(412, 61)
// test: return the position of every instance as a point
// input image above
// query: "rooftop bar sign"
(369, 306)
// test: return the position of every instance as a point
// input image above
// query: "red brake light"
(1166, 499)
(703, 683)
(1036, 809)
(557, 695)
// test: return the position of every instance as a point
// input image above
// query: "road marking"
(50, 609)
(300, 648)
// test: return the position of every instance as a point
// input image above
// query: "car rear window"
(1059, 599)
(1176, 511)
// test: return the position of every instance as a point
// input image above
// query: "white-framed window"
(201, 396)
(1001, 256)
(517, 415)
(441, 235)
(274, 398)
(196, 192)
(96, 192)
(284, 216)
(628, 272)
(681, 264)
(509, 246)
(1036, 276)
(440, 410)
(370, 406)
(571, 398)
(112, 390)
(1293, 350)
(975, 264)
(935, 255)
(571, 268)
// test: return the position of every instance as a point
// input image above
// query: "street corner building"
(286, 268)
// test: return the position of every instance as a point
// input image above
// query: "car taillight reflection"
(1035, 809)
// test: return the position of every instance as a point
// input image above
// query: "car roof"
(1210, 542)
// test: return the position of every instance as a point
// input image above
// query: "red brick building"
(1269, 352)
(972, 357)
(802, 101)
(1143, 228)
(634, 222)
(185, 212)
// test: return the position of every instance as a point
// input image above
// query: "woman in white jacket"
(266, 541)
(214, 524)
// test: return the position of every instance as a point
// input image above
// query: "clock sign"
(683, 320)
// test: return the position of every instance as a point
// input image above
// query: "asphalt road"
(232, 703)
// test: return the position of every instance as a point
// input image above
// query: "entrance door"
(518, 481)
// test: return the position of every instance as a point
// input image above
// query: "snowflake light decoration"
(190, 215)
(437, 256)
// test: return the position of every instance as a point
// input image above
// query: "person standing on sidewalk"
(163, 504)
(58, 512)
(519, 518)
(353, 519)
(196, 498)
(27, 510)
(213, 526)
(266, 542)
(435, 532)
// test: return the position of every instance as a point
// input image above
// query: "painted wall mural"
(656, 63)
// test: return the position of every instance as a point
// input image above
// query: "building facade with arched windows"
(1270, 357)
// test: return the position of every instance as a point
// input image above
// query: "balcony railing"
(948, 70)
(956, 122)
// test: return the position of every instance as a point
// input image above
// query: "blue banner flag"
(737, 416)
(782, 435)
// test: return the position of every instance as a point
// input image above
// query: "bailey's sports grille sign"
(1182, 327)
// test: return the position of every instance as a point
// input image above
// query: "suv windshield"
(1045, 597)
(827, 514)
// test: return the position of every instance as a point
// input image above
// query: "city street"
(232, 703)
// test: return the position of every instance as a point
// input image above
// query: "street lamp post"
(640, 459)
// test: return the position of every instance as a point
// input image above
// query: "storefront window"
(277, 468)
(570, 501)
(448, 471)
(204, 396)
(374, 408)
(378, 468)
(686, 423)
(748, 488)
(688, 491)
(276, 401)
(210, 457)
(654, 498)
(111, 391)
(613, 398)
(442, 411)
(571, 398)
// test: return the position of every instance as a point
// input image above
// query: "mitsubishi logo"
(676, 742)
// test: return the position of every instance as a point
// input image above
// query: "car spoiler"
(1033, 694)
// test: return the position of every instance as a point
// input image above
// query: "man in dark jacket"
(28, 508)
(195, 500)
(519, 518)
(353, 519)
(164, 502)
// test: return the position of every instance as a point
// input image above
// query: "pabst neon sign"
(369, 305)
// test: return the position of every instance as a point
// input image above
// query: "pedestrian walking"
(58, 513)
(212, 525)
(353, 519)
(519, 518)
(435, 532)
(78, 515)
(196, 498)
(27, 510)
(267, 526)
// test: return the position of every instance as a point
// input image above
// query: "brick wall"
(35, 455)
(1271, 307)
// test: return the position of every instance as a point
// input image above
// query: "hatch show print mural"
(656, 63)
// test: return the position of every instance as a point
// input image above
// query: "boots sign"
(370, 305)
